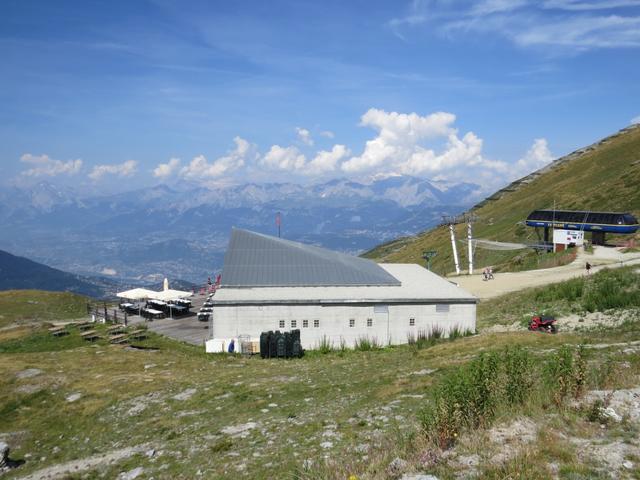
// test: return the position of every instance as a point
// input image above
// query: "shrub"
(518, 380)
(469, 397)
(566, 374)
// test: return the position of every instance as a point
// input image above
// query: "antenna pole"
(553, 226)
(470, 246)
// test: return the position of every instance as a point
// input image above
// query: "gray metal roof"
(256, 260)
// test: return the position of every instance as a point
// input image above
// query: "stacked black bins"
(281, 345)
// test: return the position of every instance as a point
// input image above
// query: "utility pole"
(471, 218)
(451, 221)
(470, 247)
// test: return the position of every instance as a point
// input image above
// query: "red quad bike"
(543, 323)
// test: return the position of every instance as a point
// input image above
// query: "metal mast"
(455, 249)
(452, 221)
(470, 247)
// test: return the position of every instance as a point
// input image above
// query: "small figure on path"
(485, 274)
(490, 273)
(588, 268)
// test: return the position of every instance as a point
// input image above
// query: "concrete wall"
(333, 321)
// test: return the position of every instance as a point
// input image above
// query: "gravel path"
(602, 257)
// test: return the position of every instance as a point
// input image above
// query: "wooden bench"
(118, 339)
(115, 329)
(138, 335)
(58, 331)
(90, 335)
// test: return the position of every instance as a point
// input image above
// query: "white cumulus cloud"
(536, 157)
(327, 134)
(400, 146)
(166, 170)
(200, 169)
(43, 165)
(304, 136)
(283, 158)
(125, 169)
(327, 161)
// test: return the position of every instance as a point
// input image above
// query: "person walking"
(588, 268)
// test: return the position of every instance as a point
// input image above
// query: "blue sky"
(107, 94)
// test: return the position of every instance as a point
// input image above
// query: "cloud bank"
(125, 169)
(44, 166)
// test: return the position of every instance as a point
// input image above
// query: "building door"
(381, 319)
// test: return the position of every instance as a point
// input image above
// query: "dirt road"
(602, 257)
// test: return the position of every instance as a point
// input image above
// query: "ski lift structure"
(451, 221)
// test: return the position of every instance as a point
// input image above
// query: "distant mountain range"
(147, 234)
(19, 273)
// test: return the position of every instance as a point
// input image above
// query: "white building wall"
(333, 322)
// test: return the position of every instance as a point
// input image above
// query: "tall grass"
(608, 289)
(469, 397)
(325, 345)
(366, 344)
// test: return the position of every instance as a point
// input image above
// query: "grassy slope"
(349, 399)
(24, 306)
(602, 177)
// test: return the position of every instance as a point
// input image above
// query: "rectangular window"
(316, 323)
(281, 323)
(412, 322)
(293, 324)
(369, 322)
(352, 322)
(442, 308)
(305, 323)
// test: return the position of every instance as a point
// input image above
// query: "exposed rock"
(131, 474)
(418, 476)
(326, 444)
(396, 466)
(29, 373)
(610, 414)
(241, 430)
(186, 395)
(73, 397)
(622, 402)
(4, 455)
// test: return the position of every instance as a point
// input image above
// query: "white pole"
(470, 246)
(455, 250)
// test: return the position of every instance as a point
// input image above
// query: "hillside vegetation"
(33, 306)
(604, 176)
(469, 407)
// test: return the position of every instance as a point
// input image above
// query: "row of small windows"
(440, 308)
(305, 323)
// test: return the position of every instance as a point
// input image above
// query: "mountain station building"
(269, 283)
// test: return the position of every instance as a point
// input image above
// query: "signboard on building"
(568, 237)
